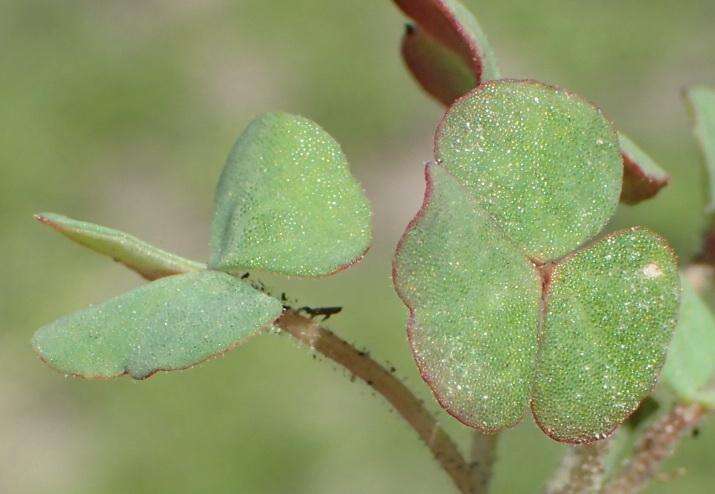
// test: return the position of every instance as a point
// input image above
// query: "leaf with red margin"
(475, 299)
(474, 303)
(150, 262)
(642, 177)
(610, 311)
(438, 69)
(169, 324)
(541, 160)
(448, 27)
(287, 202)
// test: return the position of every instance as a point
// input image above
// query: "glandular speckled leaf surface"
(702, 103)
(610, 313)
(450, 24)
(474, 307)
(169, 324)
(642, 176)
(690, 366)
(287, 203)
(542, 161)
(150, 262)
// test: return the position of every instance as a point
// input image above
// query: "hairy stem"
(656, 445)
(411, 408)
(582, 469)
(484, 448)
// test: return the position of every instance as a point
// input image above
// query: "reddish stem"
(411, 408)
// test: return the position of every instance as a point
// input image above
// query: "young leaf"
(474, 305)
(642, 177)
(450, 24)
(169, 324)
(610, 312)
(690, 367)
(441, 72)
(149, 261)
(542, 161)
(702, 102)
(287, 203)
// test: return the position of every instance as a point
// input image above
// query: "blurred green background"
(122, 112)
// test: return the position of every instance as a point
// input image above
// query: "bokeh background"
(122, 112)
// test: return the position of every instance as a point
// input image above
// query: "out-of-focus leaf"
(169, 324)
(642, 177)
(610, 313)
(287, 203)
(149, 261)
(465, 47)
(440, 71)
(542, 161)
(702, 103)
(690, 367)
(474, 305)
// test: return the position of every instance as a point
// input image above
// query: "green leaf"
(610, 313)
(169, 324)
(642, 177)
(149, 261)
(690, 367)
(582, 339)
(543, 162)
(702, 102)
(287, 203)
(474, 305)
(450, 24)
(440, 71)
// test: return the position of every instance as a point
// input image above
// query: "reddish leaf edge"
(545, 272)
(430, 81)
(446, 29)
(439, 132)
(90, 377)
(421, 366)
(648, 186)
(549, 271)
(45, 220)
(638, 186)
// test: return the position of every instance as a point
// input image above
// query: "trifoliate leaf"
(450, 24)
(474, 305)
(541, 170)
(542, 161)
(169, 324)
(690, 366)
(642, 177)
(702, 102)
(149, 261)
(287, 203)
(610, 313)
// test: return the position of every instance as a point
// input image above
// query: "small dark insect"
(244, 276)
(326, 312)
(696, 432)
